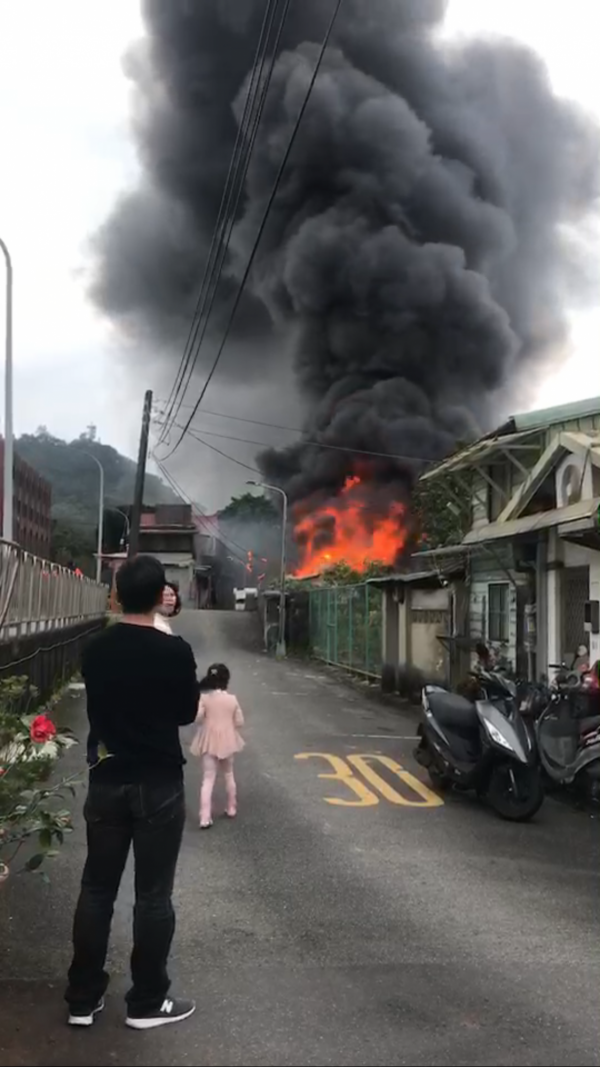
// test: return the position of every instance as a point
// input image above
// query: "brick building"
(32, 504)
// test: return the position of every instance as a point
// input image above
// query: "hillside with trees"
(75, 483)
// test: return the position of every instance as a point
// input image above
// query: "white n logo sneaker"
(172, 1011)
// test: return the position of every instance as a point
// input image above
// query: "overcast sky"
(65, 155)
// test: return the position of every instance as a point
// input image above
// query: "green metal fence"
(346, 623)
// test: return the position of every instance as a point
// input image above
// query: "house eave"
(581, 515)
(482, 451)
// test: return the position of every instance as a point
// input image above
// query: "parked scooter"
(483, 745)
(568, 732)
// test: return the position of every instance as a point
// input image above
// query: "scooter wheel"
(515, 792)
(438, 779)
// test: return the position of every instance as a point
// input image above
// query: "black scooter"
(483, 745)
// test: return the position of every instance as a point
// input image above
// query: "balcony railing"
(36, 595)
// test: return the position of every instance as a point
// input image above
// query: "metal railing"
(36, 595)
(346, 624)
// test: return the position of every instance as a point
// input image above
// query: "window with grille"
(498, 609)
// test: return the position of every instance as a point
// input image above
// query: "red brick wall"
(32, 505)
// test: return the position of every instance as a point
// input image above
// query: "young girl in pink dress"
(217, 741)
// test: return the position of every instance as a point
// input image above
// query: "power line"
(177, 488)
(261, 85)
(292, 429)
(264, 221)
(226, 538)
(222, 213)
(219, 451)
(312, 444)
(240, 418)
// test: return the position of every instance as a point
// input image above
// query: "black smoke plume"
(418, 251)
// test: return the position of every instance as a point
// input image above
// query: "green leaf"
(45, 839)
(35, 862)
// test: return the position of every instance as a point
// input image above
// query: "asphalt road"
(386, 929)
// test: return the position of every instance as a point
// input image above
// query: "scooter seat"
(454, 712)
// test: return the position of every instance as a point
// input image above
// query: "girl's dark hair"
(217, 677)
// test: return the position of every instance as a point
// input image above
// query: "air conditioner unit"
(576, 479)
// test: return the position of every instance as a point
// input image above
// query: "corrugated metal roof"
(416, 577)
(538, 420)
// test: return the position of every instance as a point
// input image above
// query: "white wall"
(428, 617)
(553, 597)
(569, 555)
(430, 599)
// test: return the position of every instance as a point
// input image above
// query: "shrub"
(31, 809)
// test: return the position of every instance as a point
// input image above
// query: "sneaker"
(77, 1018)
(207, 825)
(172, 1011)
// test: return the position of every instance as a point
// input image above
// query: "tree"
(249, 508)
(442, 509)
(71, 542)
(74, 477)
(341, 574)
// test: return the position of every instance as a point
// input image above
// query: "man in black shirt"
(141, 687)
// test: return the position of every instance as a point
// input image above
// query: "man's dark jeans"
(151, 818)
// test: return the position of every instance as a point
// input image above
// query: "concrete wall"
(47, 659)
(412, 627)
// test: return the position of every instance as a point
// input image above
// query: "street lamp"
(125, 537)
(90, 455)
(281, 649)
(7, 518)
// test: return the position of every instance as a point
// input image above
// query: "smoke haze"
(419, 253)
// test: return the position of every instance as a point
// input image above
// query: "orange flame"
(346, 531)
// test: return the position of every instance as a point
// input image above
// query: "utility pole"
(138, 498)
(7, 521)
(281, 646)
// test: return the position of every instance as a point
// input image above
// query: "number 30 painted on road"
(366, 798)
(342, 773)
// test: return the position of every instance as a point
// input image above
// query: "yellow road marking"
(342, 773)
(428, 799)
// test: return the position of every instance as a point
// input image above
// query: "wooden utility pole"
(138, 499)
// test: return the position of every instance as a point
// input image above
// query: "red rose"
(42, 730)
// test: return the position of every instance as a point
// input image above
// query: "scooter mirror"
(582, 650)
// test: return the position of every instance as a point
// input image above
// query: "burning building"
(418, 254)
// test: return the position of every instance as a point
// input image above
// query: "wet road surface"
(348, 917)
